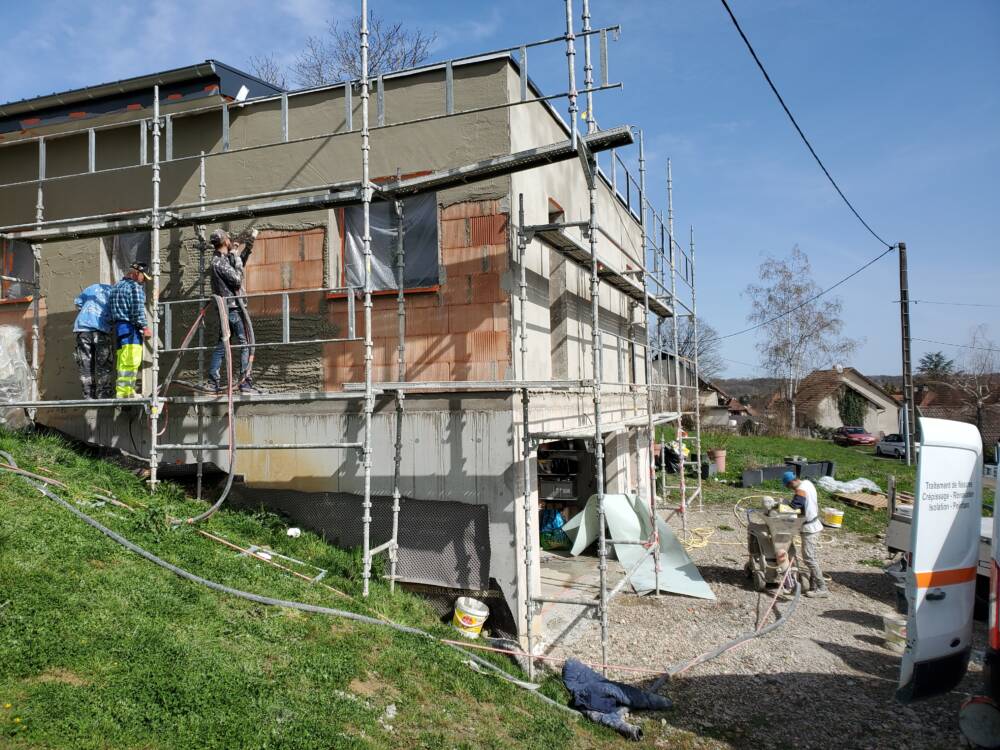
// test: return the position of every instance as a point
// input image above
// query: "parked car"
(853, 436)
(893, 445)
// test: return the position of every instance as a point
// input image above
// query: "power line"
(802, 135)
(806, 302)
(961, 346)
(953, 304)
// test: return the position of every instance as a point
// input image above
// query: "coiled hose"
(40, 483)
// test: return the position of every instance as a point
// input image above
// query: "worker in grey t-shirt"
(807, 502)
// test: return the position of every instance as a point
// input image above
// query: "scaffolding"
(650, 288)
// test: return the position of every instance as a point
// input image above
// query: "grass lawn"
(102, 649)
(851, 463)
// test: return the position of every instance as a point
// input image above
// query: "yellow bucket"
(833, 518)
(470, 614)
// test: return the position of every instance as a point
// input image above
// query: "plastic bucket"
(833, 518)
(470, 614)
(894, 627)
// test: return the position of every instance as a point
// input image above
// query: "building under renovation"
(427, 386)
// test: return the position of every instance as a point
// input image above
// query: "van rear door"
(944, 543)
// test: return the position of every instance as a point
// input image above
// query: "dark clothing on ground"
(605, 702)
(95, 361)
(237, 334)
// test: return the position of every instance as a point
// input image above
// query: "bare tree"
(978, 380)
(335, 56)
(710, 361)
(266, 68)
(798, 333)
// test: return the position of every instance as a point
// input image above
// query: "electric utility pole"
(909, 406)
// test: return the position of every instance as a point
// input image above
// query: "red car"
(853, 436)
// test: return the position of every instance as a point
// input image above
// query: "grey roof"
(129, 85)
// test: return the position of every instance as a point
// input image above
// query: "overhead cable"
(951, 304)
(961, 346)
(806, 302)
(802, 135)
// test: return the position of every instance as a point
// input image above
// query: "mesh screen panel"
(440, 543)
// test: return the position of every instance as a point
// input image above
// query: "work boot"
(822, 593)
(247, 388)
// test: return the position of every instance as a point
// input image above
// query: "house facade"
(461, 468)
(820, 396)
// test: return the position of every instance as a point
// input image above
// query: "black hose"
(266, 600)
(220, 304)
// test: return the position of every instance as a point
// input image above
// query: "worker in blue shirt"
(94, 348)
(128, 314)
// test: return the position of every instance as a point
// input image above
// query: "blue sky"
(900, 97)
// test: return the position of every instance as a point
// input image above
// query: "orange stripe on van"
(945, 577)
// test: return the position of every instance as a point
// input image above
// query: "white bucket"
(833, 517)
(895, 632)
(470, 614)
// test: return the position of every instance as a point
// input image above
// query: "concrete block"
(474, 317)
(486, 288)
(458, 290)
(488, 230)
(454, 233)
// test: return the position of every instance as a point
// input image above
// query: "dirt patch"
(823, 680)
(63, 676)
(366, 688)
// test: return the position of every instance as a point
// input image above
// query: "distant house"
(719, 410)
(943, 401)
(820, 394)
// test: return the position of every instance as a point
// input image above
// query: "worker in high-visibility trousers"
(128, 313)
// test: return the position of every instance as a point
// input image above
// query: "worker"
(806, 502)
(94, 352)
(227, 281)
(127, 302)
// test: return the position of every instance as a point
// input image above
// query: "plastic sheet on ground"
(628, 520)
(855, 485)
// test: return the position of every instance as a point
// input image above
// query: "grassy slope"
(99, 648)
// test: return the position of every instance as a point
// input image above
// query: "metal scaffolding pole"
(202, 276)
(400, 395)
(528, 506)
(366, 200)
(588, 69)
(596, 343)
(697, 401)
(678, 391)
(154, 233)
(649, 370)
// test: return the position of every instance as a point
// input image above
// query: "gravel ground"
(823, 680)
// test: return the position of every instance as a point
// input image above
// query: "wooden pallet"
(863, 500)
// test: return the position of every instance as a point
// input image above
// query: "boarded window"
(17, 263)
(420, 243)
(125, 249)
(286, 260)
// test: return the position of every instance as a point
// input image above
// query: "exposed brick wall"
(461, 331)
(286, 260)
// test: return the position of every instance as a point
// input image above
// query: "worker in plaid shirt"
(128, 313)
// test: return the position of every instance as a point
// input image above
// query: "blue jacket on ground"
(95, 312)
